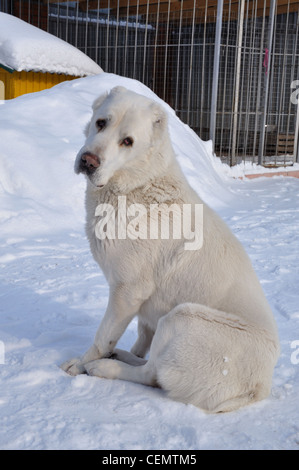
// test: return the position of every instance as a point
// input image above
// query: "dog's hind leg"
(144, 340)
(112, 369)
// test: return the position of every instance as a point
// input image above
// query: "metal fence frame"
(227, 67)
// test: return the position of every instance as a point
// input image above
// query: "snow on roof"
(25, 47)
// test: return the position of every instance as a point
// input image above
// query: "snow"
(25, 47)
(53, 295)
(247, 168)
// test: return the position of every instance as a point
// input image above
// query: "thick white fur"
(212, 337)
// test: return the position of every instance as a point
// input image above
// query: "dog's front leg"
(122, 307)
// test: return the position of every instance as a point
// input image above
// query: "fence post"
(296, 143)
(267, 82)
(237, 86)
(216, 72)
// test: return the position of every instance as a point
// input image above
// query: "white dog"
(202, 312)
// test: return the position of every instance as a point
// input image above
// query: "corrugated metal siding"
(20, 83)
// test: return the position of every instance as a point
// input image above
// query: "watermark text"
(159, 221)
(295, 354)
(295, 93)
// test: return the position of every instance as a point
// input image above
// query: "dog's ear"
(159, 117)
(97, 103)
(118, 89)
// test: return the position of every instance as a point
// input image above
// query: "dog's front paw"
(76, 366)
(73, 367)
(94, 368)
(105, 368)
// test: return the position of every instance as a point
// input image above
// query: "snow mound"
(25, 47)
(40, 135)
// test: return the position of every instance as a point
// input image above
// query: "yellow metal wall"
(19, 83)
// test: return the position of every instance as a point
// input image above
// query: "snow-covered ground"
(53, 295)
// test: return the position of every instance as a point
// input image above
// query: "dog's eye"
(101, 123)
(128, 142)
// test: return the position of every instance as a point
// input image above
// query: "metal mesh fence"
(170, 45)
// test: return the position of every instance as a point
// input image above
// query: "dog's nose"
(90, 161)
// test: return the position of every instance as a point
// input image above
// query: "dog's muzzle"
(89, 162)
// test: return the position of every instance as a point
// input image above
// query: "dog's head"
(124, 139)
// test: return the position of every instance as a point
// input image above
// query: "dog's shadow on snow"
(44, 321)
(35, 318)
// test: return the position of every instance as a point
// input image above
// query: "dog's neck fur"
(128, 180)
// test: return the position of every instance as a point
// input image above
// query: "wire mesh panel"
(171, 45)
(282, 114)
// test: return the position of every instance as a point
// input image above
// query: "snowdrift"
(41, 134)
